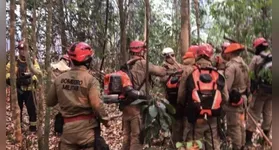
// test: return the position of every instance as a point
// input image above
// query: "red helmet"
(188, 55)
(193, 49)
(137, 46)
(20, 45)
(80, 52)
(234, 47)
(225, 45)
(205, 49)
(260, 41)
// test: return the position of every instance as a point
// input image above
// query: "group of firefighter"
(204, 89)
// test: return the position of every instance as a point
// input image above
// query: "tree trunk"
(34, 38)
(48, 70)
(38, 73)
(175, 27)
(62, 26)
(197, 20)
(123, 36)
(146, 35)
(13, 91)
(185, 26)
(105, 34)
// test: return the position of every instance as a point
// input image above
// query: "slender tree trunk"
(105, 34)
(146, 39)
(175, 27)
(123, 36)
(13, 91)
(185, 25)
(38, 73)
(47, 65)
(62, 26)
(34, 38)
(197, 19)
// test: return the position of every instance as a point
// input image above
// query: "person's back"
(261, 87)
(77, 93)
(131, 113)
(202, 109)
(237, 80)
(72, 91)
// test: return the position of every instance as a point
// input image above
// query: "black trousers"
(27, 98)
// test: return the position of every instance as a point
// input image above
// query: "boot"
(266, 132)
(32, 128)
(249, 136)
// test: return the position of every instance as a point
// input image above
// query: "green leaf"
(170, 108)
(190, 143)
(178, 145)
(153, 111)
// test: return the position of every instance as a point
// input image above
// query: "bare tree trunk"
(38, 73)
(105, 34)
(123, 36)
(62, 26)
(34, 38)
(197, 19)
(146, 37)
(13, 91)
(185, 26)
(48, 70)
(175, 27)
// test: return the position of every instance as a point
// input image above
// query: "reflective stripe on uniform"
(33, 123)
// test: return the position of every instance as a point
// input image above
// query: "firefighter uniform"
(78, 95)
(132, 121)
(26, 85)
(261, 103)
(201, 127)
(171, 95)
(236, 74)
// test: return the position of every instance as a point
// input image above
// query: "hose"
(212, 141)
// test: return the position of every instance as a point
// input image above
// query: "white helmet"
(167, 50)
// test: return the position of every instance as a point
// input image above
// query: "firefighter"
(189, 57)
(262, 91)
(220, 63)
(63, 65)
(171, 84)
(58, 68)
(26, 84)
(238, 84)
(188, 60)
(131, 113)
(78, 94)
(204, 126)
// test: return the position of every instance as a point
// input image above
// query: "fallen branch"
(259, 128)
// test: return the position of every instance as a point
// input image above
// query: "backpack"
(116, 81)
(204, 87)
(263, 73)
(172, 86)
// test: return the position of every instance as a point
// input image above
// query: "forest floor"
(112, 135)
